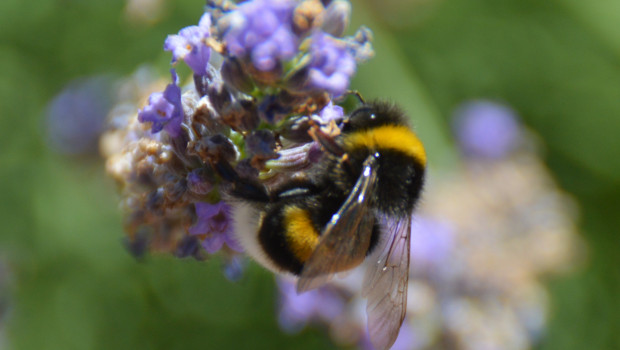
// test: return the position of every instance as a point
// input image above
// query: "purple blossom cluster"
(262, 31)
(482, 241)
(262, 72)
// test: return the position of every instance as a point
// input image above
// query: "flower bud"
(335, 19)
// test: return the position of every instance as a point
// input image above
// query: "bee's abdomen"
(289, 236)
(301, 234)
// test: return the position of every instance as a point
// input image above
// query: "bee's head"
(380, 129)
(372, 115)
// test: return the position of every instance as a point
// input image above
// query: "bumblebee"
(356, 204)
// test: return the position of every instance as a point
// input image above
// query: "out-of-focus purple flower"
(75, 118)
(431, 242)
(262, 30)
(298, 309)
(189, 45)
(486, 129)
(164, 109)
(215, 221)
(233, 270)
(331, 65)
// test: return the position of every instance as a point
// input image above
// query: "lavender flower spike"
(263, 31)
(189, 45)
(214, 220)
(331, 65)
(164, 110)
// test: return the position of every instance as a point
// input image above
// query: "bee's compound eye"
(373, 116)
(377, 155)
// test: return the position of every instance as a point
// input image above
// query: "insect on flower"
(354, 205)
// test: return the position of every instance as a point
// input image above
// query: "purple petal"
(206, 210)
(331, 112)
(164, 110)
(263, 55)
(201, 227)
(205, 22)
(190, 47)
(214, 243)
(177, 45)
(232, 243)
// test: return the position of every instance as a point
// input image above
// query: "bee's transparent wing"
(385, 283)
(346, 238)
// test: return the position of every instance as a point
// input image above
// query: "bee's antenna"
(356, 94)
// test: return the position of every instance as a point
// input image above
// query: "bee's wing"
(346, 238)
(385, 284)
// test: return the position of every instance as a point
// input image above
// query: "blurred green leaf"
(560, 79)
(599, 17)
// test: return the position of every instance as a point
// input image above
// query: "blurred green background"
(68, 282)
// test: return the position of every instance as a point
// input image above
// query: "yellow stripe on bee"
(301, 235)
(394, 137)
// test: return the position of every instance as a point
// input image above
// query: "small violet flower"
(262, 30)
(331, 112)
(189, 45)
(331, 66)
(164, 109)
(215, 221)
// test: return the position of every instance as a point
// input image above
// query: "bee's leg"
(241, 187)
(330, 145)
(356, 94)
(325, 140)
